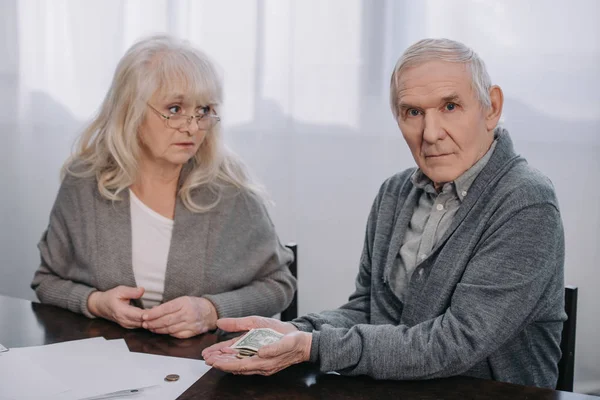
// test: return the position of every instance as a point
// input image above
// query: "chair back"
(566, 365)
(291, 312)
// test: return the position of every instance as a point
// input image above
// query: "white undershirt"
(151, 239)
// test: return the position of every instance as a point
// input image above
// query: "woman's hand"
(182, 317)
(114, 305)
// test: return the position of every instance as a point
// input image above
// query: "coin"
(172, 378)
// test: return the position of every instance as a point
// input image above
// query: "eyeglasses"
(204, 121)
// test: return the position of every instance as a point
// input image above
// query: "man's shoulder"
(526, 185)
(394, 184)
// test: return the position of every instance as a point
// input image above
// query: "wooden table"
(23, 323)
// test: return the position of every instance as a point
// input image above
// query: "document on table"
(159, 367)
(21, 378)
(88, 367)
(93, 369)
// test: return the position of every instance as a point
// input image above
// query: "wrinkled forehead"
(433, 79)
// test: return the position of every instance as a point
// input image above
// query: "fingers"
(114, 305)
(248, 366)
(180, 330)
(127, 292)
(179, 318)
(230, 363)
(219, 347)
(128, 316)
(274, 349)
(240, 324)
(164, 321)
(247, 323)
(291, 349)
(169, 307)
(168, 329)
(286, 344)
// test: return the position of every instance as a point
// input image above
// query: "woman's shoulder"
(78, 179)
(231, 198)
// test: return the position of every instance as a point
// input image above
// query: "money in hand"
(249, 344)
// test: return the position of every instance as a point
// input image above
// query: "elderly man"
(462, 267)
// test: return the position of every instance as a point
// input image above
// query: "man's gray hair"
(442, 50)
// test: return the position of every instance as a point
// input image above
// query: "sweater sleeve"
(249, 242)
(495, 299)
(55, 281)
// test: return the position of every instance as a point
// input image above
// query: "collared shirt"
(430, 220)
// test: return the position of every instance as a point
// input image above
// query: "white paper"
(94, 367)
(159, 367)
(22, 379)
(189, 372)
(90, 367)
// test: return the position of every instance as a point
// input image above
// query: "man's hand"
(245, 324)
(182, 317)
(292, 349)
(114, 305)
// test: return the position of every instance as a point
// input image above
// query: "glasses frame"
(188, 118)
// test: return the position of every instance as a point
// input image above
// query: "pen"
(118, 393)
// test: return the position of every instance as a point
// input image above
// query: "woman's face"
(177, 139)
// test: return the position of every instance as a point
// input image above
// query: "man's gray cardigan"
(489, 302)
(230, 255)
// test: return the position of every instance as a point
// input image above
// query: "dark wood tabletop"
(23, 323)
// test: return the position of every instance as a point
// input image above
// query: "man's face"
(442, 120)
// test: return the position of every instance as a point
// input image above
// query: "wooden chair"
(291, 312)
(566, 365)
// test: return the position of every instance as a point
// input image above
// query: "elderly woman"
(156, 224)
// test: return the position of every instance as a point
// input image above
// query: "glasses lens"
(177, 121)
(206, 122)
(182, 121)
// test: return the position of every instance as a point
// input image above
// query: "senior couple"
(158, 226)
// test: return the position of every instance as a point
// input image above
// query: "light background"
(306, 86)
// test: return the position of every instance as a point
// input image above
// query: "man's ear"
(494, 112)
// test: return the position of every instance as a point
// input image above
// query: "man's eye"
(413, 112)
(450, 106)
(174, 109)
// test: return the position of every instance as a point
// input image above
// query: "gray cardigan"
(230, 255)
(487, 302)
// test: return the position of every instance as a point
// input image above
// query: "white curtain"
(306, 86)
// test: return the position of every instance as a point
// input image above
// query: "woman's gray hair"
(108, 149)
(442, 50)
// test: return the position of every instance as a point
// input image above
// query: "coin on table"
(172, 378)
